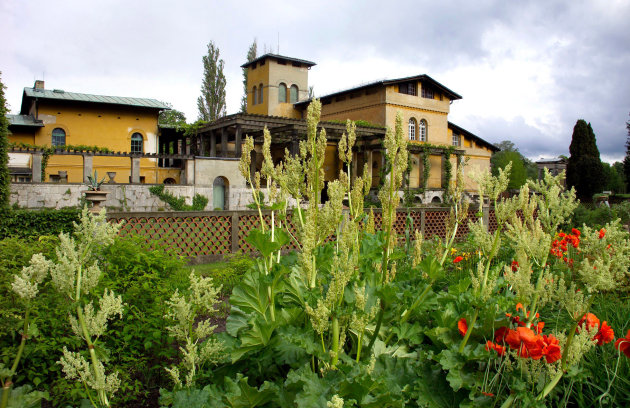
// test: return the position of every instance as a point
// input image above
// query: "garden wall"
(121, 197)
(202, 236)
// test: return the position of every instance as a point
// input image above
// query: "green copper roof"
(60, 95)
(24, 120)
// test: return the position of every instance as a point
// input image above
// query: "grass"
(226, 273)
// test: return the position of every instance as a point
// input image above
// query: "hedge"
(33, 223)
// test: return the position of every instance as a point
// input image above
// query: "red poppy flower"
(458, 259)
(487, 394)
(539, 327)
(575, 232)
(519, 306)
(605, 334)
(591, 321)
(623, 344)
(602, 232)
(550, 348)
(500, 333)
(514, 266)
(462, 326)
(496, 347)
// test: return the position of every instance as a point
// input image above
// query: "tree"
(584, 169)
(626, 160)
(251, 55)
(4, 147)
(618, 166)
(211, 103)
(171, 117)
(518, 174)
(613, 181)
(522, 169)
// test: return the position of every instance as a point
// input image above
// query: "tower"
(275, 83)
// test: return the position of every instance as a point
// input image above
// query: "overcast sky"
(527, 70)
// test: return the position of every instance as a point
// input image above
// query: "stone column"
(135, 170)
(87, 167)
(213, 145)
(238, 141)
(37, 168)
(223, 142)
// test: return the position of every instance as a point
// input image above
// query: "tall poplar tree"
(4, 147)
(251, 55)
(211, 103)
(584, 169)
(626, 160)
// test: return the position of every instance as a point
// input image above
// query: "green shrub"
(34, 223)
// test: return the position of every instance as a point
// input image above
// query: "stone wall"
(121, 197)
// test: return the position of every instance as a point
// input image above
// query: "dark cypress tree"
(626, 160)
(584, 170)
(4, 147)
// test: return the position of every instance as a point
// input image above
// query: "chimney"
(39, 84)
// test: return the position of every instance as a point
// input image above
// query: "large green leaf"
(264, 244)
(25, 397)
(239, 394)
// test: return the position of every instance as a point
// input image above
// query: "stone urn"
(96, 197)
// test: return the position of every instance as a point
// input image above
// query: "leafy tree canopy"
(4, 146)
(211, 103)
(584, 170)
(251, 55)
(171, 117)
(626, 160)
(518, 174)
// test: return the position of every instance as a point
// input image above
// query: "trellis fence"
(203, 236)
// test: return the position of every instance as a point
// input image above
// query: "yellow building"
(423, 102)
(55, 118)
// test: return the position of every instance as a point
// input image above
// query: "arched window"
(260, 93)
(136, 143)
(294, 94)
(423, 131)
(282, 93)
(412, 129)
(255, 93)
(58, 137)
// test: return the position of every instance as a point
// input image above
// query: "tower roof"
(279, 57)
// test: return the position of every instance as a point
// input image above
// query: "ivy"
(199, 202)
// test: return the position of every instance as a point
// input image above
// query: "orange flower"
(591, 321)
(602, 232)
(539, 327)
(550, 348)
(458, 259)
(623, 344)
(496, 347)
(519, 306)
(605, 334)
(462, 326)
(487, 394)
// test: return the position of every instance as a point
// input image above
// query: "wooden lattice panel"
(188, 236)
(492, 222)
(435, 224)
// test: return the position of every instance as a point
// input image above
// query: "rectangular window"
(408, 88)
(427, 93)
(456, 140)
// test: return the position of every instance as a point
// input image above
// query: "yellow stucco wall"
(100, 125)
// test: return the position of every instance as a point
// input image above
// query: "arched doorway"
(220, 193)
(436, 200)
